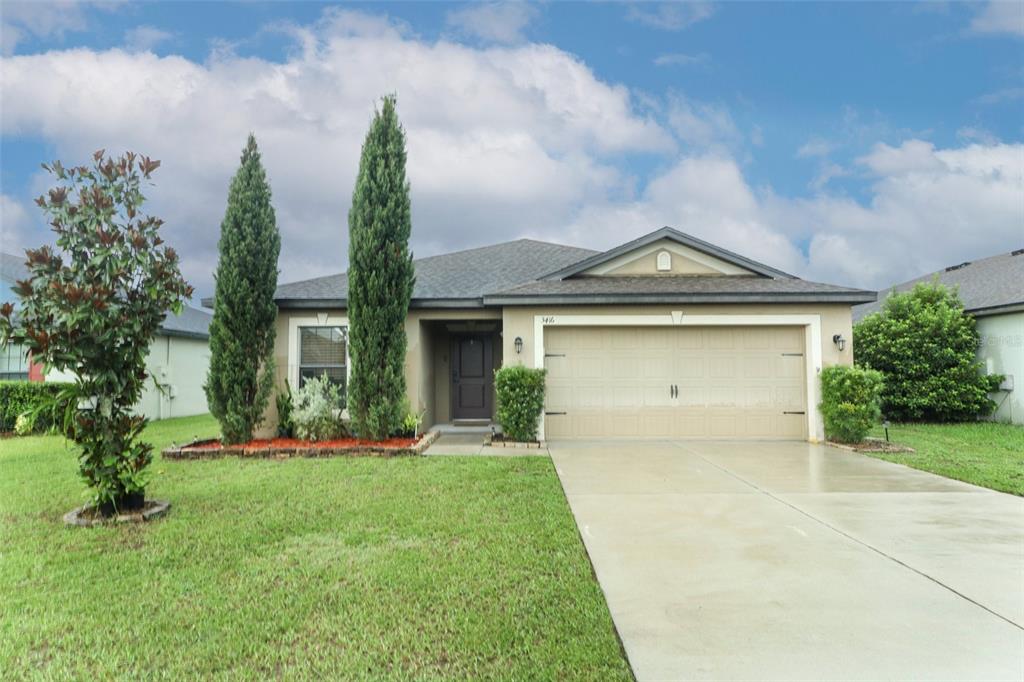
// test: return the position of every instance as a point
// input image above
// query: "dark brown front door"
(472, 376)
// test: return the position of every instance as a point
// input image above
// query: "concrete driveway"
(743, 561)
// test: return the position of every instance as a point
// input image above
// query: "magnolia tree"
(93, 309)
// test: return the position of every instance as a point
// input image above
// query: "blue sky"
(858, 143)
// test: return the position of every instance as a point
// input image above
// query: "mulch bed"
(873, 445)
(283, 448)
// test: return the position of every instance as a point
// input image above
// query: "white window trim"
(810, 323)
(319, 320)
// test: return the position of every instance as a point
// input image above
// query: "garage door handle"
(794, 412)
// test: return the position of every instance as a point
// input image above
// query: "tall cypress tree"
(380, 278)
(242, 331)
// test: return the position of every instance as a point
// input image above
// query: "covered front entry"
(676, 382)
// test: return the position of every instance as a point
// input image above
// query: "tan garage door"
(675, 382)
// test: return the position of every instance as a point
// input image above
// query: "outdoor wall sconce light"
(839, 341)
(519, 345)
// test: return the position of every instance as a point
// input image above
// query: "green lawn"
(422, 568)
(982, 453)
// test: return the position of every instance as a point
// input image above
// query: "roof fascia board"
(320, 303)
(852, 298)
(996, 310)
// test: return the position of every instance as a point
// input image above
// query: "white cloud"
(16, 233)
(680, 59)
(38, 19)
(670, 16)
(502, 141)
(975, 134)
(815, 146)
(1010, 94)
(498, 22)
(702, 124)
(145, 38)
(927, 208)
(1000, 16)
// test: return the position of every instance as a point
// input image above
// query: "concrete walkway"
(473, 444)
(792, 561)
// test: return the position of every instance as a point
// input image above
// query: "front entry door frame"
(472, 376)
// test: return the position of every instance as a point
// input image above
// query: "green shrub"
(25, 424)
(316, 412)
(520, 393)
(850, 398)
(285, 407)
(25, 397)
(926, 346)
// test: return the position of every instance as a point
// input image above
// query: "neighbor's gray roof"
(687, 289)
(452, 279)
(988, 286)
(191, 323)
(12, 268)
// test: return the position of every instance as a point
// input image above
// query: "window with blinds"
(323, 351)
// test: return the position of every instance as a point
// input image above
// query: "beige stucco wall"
(425, 360)
(427, 368)
(835, 319)
(1002, 352)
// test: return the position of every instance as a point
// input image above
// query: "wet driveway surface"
(796, 561)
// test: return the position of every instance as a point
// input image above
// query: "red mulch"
(390, 444)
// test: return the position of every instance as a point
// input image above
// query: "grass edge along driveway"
(406, 568)
(987, 454)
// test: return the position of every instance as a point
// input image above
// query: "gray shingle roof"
(686, 289)
(987, 286)
(12, 268)
(191, 323)
(456, 278)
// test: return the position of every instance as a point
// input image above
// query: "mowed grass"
(983, 453)
(411, 568)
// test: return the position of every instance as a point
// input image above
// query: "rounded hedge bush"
(520, 393)
(850, 402)
(926, 347)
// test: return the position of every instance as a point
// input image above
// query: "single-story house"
(992, 290)
(178, 358)
(664, 336)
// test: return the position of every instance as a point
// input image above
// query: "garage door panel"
(732, 382)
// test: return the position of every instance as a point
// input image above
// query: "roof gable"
(700, 258)
(664, 257)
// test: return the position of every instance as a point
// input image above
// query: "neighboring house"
(992, 290)
(178, 359)
(665, 336)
